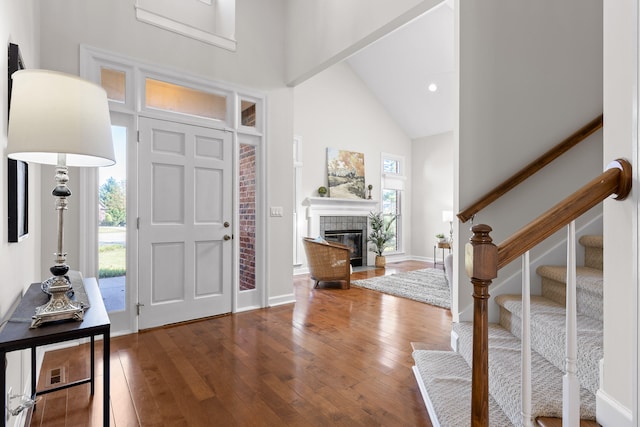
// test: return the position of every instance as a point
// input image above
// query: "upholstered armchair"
(328, 261)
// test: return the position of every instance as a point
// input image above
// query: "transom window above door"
(166, 96)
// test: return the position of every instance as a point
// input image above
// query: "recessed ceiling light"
(433, 87)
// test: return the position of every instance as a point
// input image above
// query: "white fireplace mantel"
(327, 206)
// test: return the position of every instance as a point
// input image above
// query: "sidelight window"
(112, 225)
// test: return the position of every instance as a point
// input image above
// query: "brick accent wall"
(247, 216)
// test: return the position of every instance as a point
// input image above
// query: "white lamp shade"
(447, 216)
(53, 113)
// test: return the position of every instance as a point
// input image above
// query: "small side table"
(16, 335)
(443, 246)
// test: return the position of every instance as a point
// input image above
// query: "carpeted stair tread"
(589, 288)
(592, 241)
(557, 422)
(504, 376)
(446, 378)
(589, 279)
(548, 334)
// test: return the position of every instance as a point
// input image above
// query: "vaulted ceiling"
(400, 67)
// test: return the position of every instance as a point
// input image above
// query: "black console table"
(16, 335)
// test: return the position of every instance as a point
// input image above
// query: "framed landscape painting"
(345, 171)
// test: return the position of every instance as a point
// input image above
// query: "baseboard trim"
(298, 271)
(282, 299)
(611, 413)
(399, 257)
(454, 340)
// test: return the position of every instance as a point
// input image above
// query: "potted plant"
(322, 191)
(380, 233)
(441, 237)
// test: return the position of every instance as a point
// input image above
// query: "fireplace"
(344, 215)
(351, 238)
(348, 230)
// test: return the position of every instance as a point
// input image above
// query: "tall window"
(298, 217)
(392, 187)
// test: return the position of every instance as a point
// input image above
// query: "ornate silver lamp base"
(60, 306)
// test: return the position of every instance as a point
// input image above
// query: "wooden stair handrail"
(483, 260)
(615, 180)
(533, 167)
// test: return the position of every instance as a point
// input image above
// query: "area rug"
(428, 285)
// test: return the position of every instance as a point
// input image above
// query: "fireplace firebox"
(350, 238)
(348, 230)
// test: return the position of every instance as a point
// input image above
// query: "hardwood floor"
(334, 358)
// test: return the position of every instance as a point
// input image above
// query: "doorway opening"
(112, 225)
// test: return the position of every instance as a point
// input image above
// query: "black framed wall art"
(17, 171)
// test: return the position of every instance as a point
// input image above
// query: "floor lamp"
(62, 120)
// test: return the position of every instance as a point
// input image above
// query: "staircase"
(444, 377)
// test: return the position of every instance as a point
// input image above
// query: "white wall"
(258, 63)
(432, 182)
(323, 32)
(334, 109)
(530, 74)
(19, 261)
(620, 374)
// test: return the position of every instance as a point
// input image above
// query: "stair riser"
(593, 253)
(593, 257)
(588, 303)
(552, 347)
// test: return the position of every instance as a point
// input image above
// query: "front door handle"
(227, 237)
(226, 224)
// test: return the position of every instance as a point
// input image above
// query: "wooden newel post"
(481, 263)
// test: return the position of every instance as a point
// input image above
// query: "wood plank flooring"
(334, 358)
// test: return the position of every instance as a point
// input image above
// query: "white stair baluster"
(570, 382)
(525, 392)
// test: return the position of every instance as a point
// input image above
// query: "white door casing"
(185, 210)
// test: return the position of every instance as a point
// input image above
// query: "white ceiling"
(399, 68)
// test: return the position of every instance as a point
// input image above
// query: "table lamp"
(59, 119)
(447, 216)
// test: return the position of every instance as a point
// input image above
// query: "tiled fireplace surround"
(335, 222)
(349, 224)
(326, 213)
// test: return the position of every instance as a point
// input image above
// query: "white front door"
(185, 209)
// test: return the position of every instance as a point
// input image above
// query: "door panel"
(185, 200)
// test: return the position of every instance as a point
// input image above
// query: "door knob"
(227, 237)
(226, 224)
